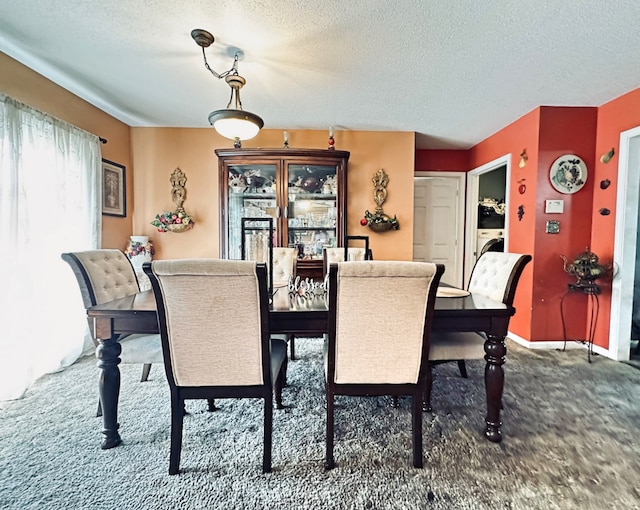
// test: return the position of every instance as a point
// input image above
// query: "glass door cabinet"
(303, 191)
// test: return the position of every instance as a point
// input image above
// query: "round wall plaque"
(568, 174)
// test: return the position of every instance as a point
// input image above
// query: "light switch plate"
(554, 206)
(553, 227)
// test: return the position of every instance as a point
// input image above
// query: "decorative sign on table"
(308, 287)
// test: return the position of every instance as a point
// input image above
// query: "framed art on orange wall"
(113, 189)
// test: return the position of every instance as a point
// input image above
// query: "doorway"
(438, 226)
(625, 253)
(489, 181)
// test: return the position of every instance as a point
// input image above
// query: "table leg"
(108, 354)
(496, 352)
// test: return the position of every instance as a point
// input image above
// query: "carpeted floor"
(571, 442)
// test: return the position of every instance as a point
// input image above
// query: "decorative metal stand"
(591, 290)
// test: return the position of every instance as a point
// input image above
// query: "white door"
(438, 221)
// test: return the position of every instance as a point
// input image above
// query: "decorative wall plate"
(568, 174)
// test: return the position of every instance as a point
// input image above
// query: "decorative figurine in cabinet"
(303, 190)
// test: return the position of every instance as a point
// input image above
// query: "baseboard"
(556, 345)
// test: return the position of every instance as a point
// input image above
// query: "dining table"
(302, 315)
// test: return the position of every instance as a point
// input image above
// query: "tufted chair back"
(335, 255)
(284, 264)
(103, 275)
(496, 274)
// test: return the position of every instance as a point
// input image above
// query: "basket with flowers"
(379, 222)
(173, 221)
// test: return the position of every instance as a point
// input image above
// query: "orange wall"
(614, 117)
(158, 151)
(27, 86)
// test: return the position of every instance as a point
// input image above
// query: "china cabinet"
(304, 192)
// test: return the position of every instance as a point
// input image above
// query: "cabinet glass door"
(252, 194)
(312, 209)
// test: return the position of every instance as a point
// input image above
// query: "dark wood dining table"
(302, 316)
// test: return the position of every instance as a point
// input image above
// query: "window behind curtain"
(49, 204)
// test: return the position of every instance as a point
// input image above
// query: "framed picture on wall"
(113, 189)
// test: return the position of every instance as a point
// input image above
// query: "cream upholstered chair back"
(284, 264)
(104, 275)
(382, 320)
(493, 275)
(335, 255)
(215, 316)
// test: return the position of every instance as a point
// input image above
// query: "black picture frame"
(114, 186)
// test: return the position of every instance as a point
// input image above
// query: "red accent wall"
(442, 160)
(563, 130)
(519, 135)
(614, 117)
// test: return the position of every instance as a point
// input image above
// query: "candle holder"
(331, 140)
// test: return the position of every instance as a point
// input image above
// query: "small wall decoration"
(605, 158)
(605, 183)
(520, 212)
(568, 174)
(113, 189)
(178, 220)
(552, 227)
(522, 186)
(605, 212)
(379, 221)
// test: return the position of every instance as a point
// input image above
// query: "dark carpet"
(571, 433)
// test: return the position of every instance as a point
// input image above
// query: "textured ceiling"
(454, 71)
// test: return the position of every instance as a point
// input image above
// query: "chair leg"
(278, 384)
(292, 347)
(268, 425)
(329, 461)
(463, 368)
(416, 415)
(177, 416)
(146, 368)
(99, 410)
(426, 397)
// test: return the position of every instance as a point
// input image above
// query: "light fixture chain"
(233, 70)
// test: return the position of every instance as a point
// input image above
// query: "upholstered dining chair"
(380, 317)
(495, 276)
(284, 269)
(104, 275)
(334, 255)
(214, 325)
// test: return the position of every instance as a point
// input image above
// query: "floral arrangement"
(379, 221)
(176, 221)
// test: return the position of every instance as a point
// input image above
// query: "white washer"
(485, 236)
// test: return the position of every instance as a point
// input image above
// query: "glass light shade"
(234, 124)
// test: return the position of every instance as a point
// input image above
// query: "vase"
(140, 250)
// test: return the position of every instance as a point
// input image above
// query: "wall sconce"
(523, 158)
(607, 157)
(231, 122)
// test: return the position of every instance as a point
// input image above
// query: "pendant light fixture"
(231, 122)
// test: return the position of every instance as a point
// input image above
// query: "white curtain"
(49, 204)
